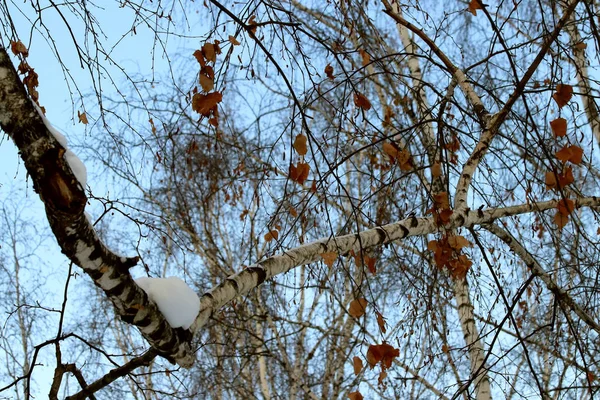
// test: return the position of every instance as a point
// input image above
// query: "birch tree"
(384, 199)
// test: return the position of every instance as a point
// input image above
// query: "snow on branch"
(241, 283)
(53, 173)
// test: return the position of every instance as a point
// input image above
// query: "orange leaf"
(207, 83)
(475, 5)
(200, 57)
(366, 58)
(357, 307)
(576, 154)
(563, 94)
(380, 322)
(252, 25)
(459, 267)
(82, 118)
(382, 376)
(357, 364)
(272, 234)
(441, 200)
(390, 149)
(561, 220)
(299, 173)
(329, 72)
(559, 127)
(233, 40)
(300, 144)
(458, 242)
(383, 353)
(550, 180)
(18, 48)
(361, 101)
(565, 206)
(571, 153)
(355, 396)
(329, 258)
(293, 212)
(436, 170)
(205, 103)
(209, 52)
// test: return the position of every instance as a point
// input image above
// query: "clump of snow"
(77, 166)
(175, 299)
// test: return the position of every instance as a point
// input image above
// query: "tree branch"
(65, 201)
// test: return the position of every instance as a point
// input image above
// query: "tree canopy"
(371, 199)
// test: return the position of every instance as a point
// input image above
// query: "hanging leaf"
(475, 5)
(300, 144)
(18, 48)
(559, 127)
(357, 364)
(272, 234)
(207, 83)
(329, 258)
(436, 170)
(355, 396)
(205, 103)
(457, 242)
(82, 117)
(565, 206)
(381, 322)
(329, 72)
(381, 353)
(299, 173)
(561, 220)
(563, 94)
(366, 58)
(570, 153)
(233, 40)
(361, 101)
(357, 307)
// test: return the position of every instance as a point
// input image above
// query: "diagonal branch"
(253, 276)
(537, 270)
(65, 200)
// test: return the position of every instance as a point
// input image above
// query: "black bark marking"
(405, 231)
(261, 274)
(382, 234)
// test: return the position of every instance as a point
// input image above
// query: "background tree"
(424, 177)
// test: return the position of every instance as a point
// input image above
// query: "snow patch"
(178, 303)
(77, 166)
